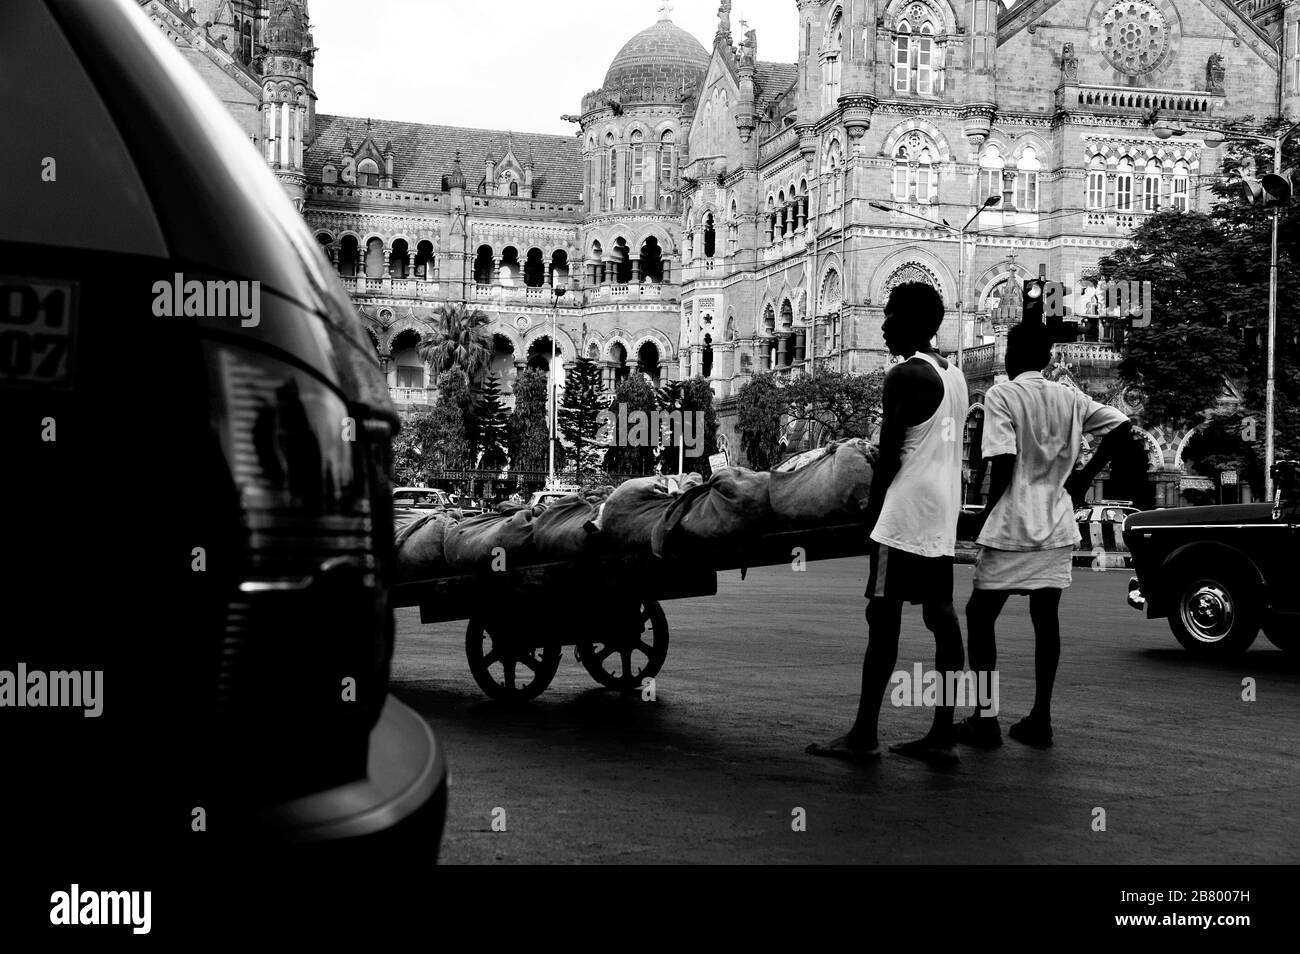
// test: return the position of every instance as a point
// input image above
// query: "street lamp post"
(961, 259)
(1213, 138)
(552, 387)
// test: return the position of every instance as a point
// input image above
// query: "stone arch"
(542, 329)
(1182, 445)
(1155, 454)
(617, 337)
(407, 322)
(506, 329)
(924, 126)
(660, 340)
(941, 10)
(1041, 146)
(992, 277)
(931, 270)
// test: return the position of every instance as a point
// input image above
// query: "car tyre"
(1216, 609)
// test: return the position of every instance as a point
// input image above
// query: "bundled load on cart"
(650, 539)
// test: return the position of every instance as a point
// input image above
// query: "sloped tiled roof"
(423, 154)
(772, 80)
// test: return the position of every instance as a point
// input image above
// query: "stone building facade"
(718, 214)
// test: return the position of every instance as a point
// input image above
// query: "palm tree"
(459, 339)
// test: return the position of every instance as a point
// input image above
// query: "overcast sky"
(500, 64)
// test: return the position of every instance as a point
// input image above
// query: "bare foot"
(846, 749)
(932, 749)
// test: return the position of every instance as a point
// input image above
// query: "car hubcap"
(1207, 611)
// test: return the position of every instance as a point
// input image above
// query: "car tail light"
(302, 669)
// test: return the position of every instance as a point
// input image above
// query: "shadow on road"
(1252, 663)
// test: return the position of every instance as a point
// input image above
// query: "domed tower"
(634, 133)
(288, 99)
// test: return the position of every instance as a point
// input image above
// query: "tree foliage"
(410, 465)
(459, 339)
(1209, 275)
(835, 404)
(448, 445)
(490, 422)
(528, 431)
(634, 393)
(579, 417)
(759, 408)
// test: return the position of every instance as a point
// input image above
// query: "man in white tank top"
(912, 520)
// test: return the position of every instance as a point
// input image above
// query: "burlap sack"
(420, 543)
(628, 516)
(732, 504)
(832, 487)
(562, 529)
(471, 545)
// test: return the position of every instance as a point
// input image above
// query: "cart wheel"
(623, 661)
(505, 668)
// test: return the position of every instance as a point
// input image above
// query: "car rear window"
(66, 177)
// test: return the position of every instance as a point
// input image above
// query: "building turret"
(288, 99)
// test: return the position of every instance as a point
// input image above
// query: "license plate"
(37, 316)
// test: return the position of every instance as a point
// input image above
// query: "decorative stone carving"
(1135, 36)
(1215, 72)
(1069, 64)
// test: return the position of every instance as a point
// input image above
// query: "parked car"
(1105, 511)
(548, 496)
(1220, 573)
(234, 589)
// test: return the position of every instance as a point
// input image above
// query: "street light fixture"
(988, 203)
(1163, 129)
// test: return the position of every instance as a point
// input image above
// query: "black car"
(230, 580)
(1221, 573)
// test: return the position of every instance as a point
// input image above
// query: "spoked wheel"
(506, 667)
(635, 650)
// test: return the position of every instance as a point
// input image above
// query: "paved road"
(711, 772)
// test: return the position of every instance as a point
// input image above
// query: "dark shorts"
(907, 577)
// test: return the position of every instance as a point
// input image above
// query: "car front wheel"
(1217, 612)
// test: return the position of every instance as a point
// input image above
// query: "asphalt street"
(714, 769)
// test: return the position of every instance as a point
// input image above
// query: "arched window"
(1124, 185)
(329, 174)
(514, 187)
(1151, 187)
(834, 167)
(902, 56)
(924, 52)
(771, 219)
(1027, 180)
(1097, 183)
(991, 165)
(831, 60)
(368, 173)
(638, 158)
(1178, 194)
(914, 174)
(667, 156)
(710, 236)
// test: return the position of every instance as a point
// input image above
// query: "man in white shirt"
(1033, 434)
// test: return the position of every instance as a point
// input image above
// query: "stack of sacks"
(826, 486)
(471, 544)
(733, 504)
(561, 530)
(628, 517)
(420, 543)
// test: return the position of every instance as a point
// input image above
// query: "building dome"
(663, 55)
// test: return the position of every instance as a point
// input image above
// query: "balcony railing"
(1124, 98)
(978, 360)
(395, 287)
(411, 395)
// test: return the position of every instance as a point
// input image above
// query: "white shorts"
(1023, 569)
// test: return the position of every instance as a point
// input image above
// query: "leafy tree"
(839, 404)
(691, 397)
(410, 464)
(634, 393)
(1209, 281)
(528, 430)
(759, 406)
(448, 446)
(459, 339)
(490, 426)
(579, 416)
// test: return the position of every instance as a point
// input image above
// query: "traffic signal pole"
(1272, 338)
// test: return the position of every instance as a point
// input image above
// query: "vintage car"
(1221, 573)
